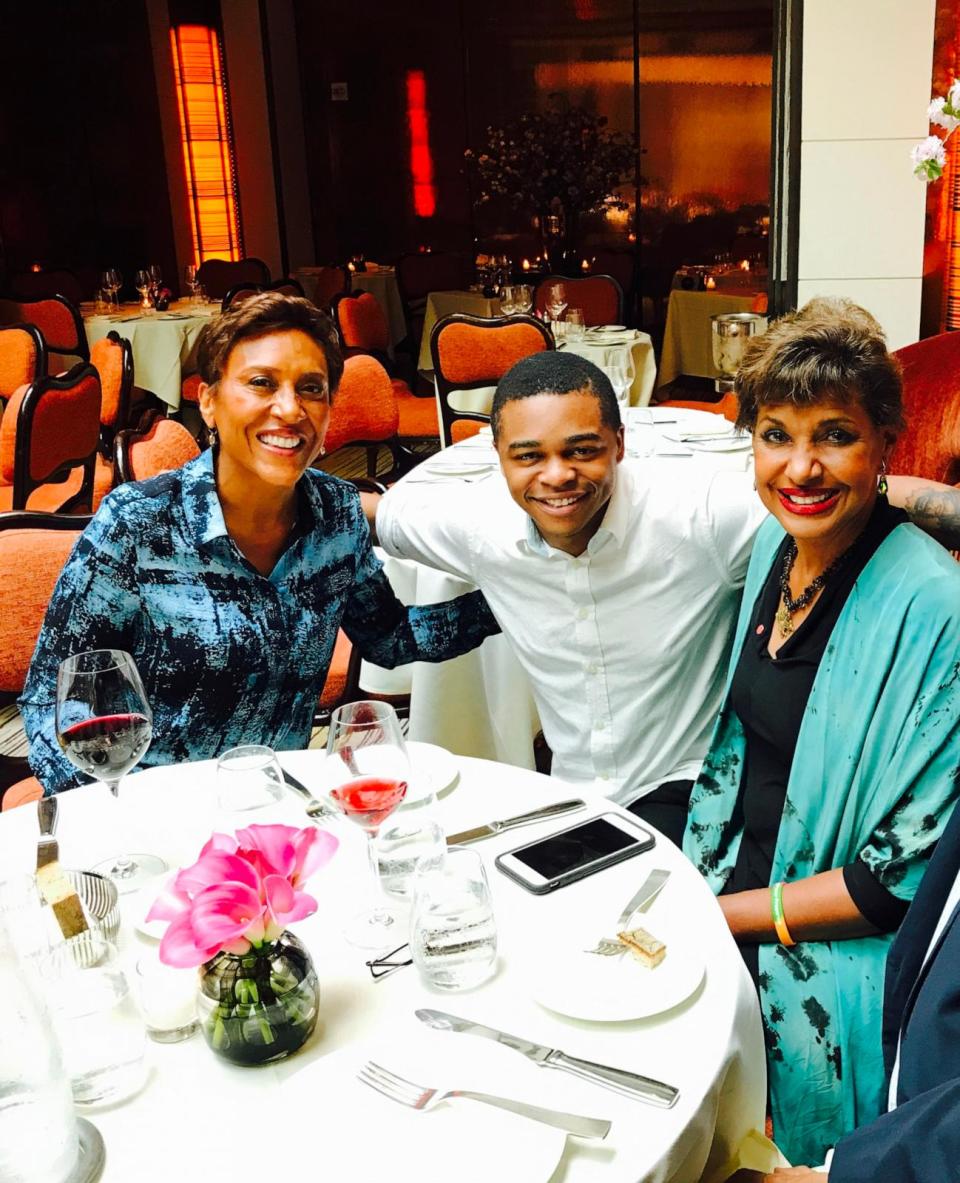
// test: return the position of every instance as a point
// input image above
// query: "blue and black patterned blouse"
(227, 655)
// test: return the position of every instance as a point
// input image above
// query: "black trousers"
(666, 808)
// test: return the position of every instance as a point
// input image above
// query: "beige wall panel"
(894, 302)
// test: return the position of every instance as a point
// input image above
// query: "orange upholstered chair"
(474, 352)
(33, 550)
(217, 276)
(57, 319)
(50, 430)
(727, 405)
(930, 446)
(157, 445)
(23, 357)
(364, 411)
(112, 357)
(326, 282)
(363, 329)
(21, 793)
(599, 296)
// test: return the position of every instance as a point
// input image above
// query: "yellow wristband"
(779, 920)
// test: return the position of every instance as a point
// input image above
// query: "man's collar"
(613, 524)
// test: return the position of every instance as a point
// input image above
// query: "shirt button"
(583, 613)
(600, 725)
(604, 776)
(592, 667)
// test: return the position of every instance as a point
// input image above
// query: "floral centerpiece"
(558, 164)
(228, 913)
(930, 155)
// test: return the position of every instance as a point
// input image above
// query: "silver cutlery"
(419, 1097)
(640, 901)
(509, 823)
(316, 810)
(619, 1080)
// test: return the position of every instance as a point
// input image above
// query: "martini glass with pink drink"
(366, 775)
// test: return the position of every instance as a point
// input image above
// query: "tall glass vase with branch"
(104, 726)
(366, 774)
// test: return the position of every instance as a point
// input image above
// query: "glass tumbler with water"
(248, 777)
(453, 931)
(98, 1024)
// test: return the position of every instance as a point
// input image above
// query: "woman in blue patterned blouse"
(228, 579)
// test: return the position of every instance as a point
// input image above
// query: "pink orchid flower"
(242, 891)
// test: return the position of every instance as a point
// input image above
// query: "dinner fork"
(416, 1096)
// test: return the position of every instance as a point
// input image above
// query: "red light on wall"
(421, 159)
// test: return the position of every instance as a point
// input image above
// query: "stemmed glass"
(111, 281)
(366, 775)
(190, 275)
(104, 726)
(620, 372)
(556, 300)
(508, 300)
(142, 282)
(524, 297)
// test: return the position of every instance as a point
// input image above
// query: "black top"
(770, 696)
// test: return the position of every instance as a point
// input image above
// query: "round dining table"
(164, 343)
(308, 1116)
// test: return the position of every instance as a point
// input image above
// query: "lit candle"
(585, 265)
(744, 264)
(710, 284)
(525, 264)
(35, 267)
(351, 266)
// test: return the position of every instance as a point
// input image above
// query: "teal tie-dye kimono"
(875, 775)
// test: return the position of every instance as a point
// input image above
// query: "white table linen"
(687, 339)
(200, 1118)
(640, 352)
(164, 343)
(481, 704)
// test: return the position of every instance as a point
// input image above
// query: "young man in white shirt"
(616, 582)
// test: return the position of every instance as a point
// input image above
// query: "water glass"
(100, 1029)
(575, 325)
(410, 838)
(168, 999)
(453, 933)
(248, 777)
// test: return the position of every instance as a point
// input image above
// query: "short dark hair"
(829, 349)
(268, 312)
(551, 372)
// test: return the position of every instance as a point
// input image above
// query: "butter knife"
(508, 823)
(619, 1080)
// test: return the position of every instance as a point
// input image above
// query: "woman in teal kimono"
(836, 758)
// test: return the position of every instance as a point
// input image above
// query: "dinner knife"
(630, 1084)
(508, 823)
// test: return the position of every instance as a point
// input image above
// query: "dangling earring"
(212, 437)
(882, 485)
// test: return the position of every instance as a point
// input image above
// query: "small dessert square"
(644, 947)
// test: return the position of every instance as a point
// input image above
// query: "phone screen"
(575, 848)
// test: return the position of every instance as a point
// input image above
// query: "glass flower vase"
(259, 1006)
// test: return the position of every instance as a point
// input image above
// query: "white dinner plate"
(583, 985)
(434, 768)
(140, 905)
(368, 1137)
(598, 329)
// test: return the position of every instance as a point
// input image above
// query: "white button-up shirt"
(625, 645)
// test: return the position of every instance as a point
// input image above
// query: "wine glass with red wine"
(104, 726)
(366, 777)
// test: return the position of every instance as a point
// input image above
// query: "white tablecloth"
(306, 1117)
(164, 343)
(640, 351)
(480, 704)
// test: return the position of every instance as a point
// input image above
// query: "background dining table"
(164, 343)
(687, 337)
(308, 1116)
(481, 704)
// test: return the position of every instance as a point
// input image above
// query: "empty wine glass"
(104, 726)
(366, 777)
(111, 281)
(508, 300)
(143, 284)
(155, 274)
(190, 276)
(524, 297)
(556, 300)
(620, 372)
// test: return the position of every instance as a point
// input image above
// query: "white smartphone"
(574, 853)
